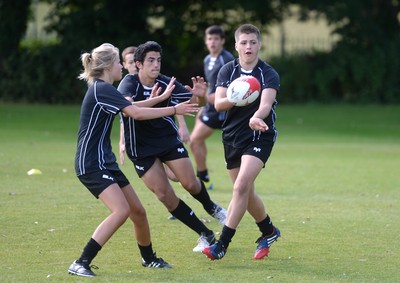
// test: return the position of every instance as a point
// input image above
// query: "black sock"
(203, 175)
(226, 235)
(146, 252)
(186, 215)
(89, 252)
(266, 226)
(204, 198)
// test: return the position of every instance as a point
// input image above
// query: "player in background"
(95, 163)
(249, 134)
(150, 144)
(127, 59)
(208, 119)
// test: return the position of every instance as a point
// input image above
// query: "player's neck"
(216, 53)
(106, 77)
(248, 66)
(145, 80)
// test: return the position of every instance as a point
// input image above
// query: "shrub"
(347, 74)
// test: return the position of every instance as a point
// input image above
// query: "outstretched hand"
(186, 108)
(257, 124)
(155, 91)
(167, 93)
(199, 87)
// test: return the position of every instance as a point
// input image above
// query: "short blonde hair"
(94, 63)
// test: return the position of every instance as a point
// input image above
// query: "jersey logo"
(140, 168)
(257, 149)
(181, 150)
(107, 177)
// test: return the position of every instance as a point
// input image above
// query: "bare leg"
(138, 216)
(156, 180)
(243, 187)
(198, 145)
(116, 202)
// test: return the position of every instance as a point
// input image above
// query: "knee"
(170, 201)
(123, 213)
(138, 212)
(138, 216)
(165, 195)
(240, 188)
(193, 186)
(193, 143)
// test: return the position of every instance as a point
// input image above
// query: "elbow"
(132, 111)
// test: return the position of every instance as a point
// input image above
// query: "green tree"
(177, 25)
(50, 68)
(13, 23)
(364, 64)
(360, 23)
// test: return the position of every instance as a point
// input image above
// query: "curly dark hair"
(144, 48)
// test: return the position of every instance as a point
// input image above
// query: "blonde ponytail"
(94, 63)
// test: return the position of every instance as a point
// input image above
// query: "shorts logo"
(257, 149)
(181, 150)
(107, 177)
(140, 168)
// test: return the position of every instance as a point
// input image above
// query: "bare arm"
(256, 122)
(183, 129)
(144, 113)
(121, 144)
(221, 102)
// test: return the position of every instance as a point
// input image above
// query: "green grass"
(332, 185)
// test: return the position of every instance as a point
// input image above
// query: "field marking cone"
(34, 172)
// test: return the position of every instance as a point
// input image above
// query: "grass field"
(332, 186)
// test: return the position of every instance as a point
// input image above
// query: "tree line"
(362, 67)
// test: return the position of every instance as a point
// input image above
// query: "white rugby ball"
(243, 90)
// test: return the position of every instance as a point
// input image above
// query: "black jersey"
(235, 129)
(99, 107)
(212, 67)
(151, 137)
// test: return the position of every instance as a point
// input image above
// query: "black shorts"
(261, 149)
(212, 118)
(97, 182)
(142, 165)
